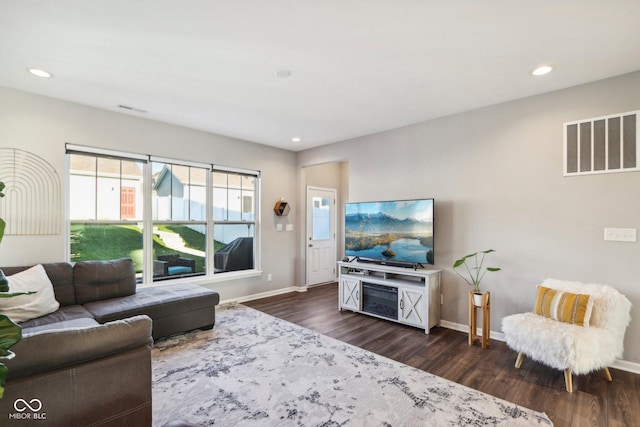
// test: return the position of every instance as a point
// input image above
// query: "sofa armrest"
(52, 349)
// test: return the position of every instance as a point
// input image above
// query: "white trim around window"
(147, 221)
(81, 149)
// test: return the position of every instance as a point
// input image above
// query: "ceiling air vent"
(602, 145)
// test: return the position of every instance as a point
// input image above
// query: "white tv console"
(417, 292)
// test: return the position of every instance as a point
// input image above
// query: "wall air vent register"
(602, 145)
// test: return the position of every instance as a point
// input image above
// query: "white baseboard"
(623, 365)
(264, 294)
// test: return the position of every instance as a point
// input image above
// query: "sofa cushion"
(564, 306)
(156, 302)
(61, 276)
(63, 314)
(81, 322)
(100, 280)
(52, 349)
(25, 307)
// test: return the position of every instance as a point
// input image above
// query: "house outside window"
(128, 203)
(174, 218)
(106, 209)
(234, 225)
(179, 202)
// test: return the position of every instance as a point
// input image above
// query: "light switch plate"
(279, 227)
(289, 227)
(620, 234)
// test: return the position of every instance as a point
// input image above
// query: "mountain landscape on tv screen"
(381, 235)
(381, 222)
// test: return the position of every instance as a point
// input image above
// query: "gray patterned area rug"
(253, 369)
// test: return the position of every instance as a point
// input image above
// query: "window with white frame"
(179, 206)
(234, 223)
(199, 219)
(106, 208)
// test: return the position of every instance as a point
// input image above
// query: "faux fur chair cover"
(566, 346)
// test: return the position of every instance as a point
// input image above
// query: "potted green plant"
(475, 272)
(10, 332)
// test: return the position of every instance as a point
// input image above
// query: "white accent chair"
(568, 347)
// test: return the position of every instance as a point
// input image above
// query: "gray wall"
(496, 176)
(43, 125)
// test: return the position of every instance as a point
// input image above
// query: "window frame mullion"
(209, 246)
(147, 225)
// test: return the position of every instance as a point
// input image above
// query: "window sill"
(204, 280)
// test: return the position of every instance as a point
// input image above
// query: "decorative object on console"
(572, 348)
(281, 208)
(475, 273)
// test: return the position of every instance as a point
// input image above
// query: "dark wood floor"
(446, 353)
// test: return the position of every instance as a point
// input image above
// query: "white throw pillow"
(27, 307)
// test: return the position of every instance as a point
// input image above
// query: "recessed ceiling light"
(542, 70)
(40, 73)
(296, 139)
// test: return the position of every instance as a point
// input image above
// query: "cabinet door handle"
(401, 304)
(357, 295)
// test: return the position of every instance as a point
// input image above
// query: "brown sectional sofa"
(89, 362)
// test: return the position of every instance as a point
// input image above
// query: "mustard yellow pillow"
(564, 306)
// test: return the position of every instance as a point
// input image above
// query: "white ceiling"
(357, 66)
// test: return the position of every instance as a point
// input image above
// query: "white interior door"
(321, 235)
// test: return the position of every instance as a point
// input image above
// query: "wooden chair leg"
(519, 360)
(607, 374)
(568, 381)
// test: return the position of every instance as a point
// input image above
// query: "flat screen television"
(396, 232)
